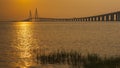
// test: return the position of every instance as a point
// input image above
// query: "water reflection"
(24, 44)
(25, 37)
(19, 41)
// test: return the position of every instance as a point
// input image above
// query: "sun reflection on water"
(24, 45)
(25, 38)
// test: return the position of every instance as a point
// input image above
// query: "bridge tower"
(36, 15)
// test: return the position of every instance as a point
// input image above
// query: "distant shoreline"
(8, 21)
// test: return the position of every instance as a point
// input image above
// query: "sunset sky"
(19, 9)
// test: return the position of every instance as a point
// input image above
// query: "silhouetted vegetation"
(76, 60)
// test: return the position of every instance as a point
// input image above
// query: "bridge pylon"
(30, 15)
(36, 15)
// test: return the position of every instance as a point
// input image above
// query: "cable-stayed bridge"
(114, 16)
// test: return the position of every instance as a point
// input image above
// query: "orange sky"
(18, 9)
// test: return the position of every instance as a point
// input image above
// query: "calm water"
(20, 40)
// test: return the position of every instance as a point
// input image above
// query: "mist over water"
(19, 41)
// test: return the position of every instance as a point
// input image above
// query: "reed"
(76, 60)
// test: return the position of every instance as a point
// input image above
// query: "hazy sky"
(18, 9)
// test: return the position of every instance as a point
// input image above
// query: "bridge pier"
(88, 18)
(112, 17)
(98, 18)
(74, 19)
(79, 19)
(103, 18)
(118, 16)
(94, 18)
(107, 17)
(83, 19)
(115, 17)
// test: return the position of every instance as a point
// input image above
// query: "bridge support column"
(103, 18)
(85, 19)
(81, 19)
(95, 19)
(115, 17)
(74, 19)
(107, 17)
(98, 18)
(112, 17)
(118, 16)
(77, 19)
(88, 18)
(91, 18)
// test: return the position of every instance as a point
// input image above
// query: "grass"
(76, 60)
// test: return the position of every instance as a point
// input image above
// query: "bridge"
(114, 16)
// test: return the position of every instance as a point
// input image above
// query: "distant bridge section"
(115, 16)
